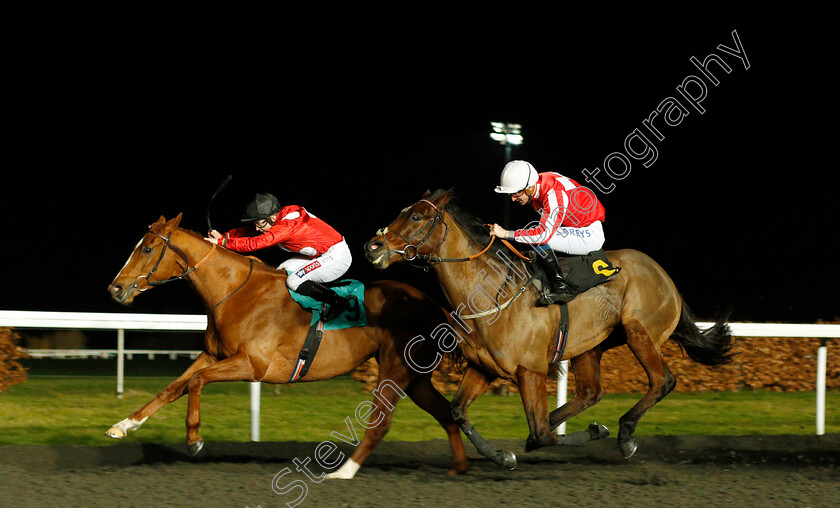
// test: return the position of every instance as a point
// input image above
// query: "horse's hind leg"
(386, 396)
(660, 384)
(235, 368)
(534, 396)
(426, 396)
(174, 391)
(472, 386)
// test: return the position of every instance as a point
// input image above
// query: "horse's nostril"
(115, 290)
(373, 246)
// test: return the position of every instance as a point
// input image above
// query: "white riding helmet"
(517, 176)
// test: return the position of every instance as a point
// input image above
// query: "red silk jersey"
(561, 202)
(295, 230)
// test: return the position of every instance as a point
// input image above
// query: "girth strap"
(562, 334)
(307, 352)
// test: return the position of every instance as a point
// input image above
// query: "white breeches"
(327, 267)
(578, 241)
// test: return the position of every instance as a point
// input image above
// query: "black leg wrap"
(593, 432)
(502, 458)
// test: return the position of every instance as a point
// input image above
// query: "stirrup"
(559, 294)
(341, 304)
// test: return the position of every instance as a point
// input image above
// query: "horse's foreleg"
(472, 386)
(235, 368)
(534, 396)
(169, 394)
(588, 392)
(660, 384)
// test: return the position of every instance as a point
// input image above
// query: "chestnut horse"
(513, 339)
(255, 332)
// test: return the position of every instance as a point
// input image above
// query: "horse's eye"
(415, 218)
(147, 250)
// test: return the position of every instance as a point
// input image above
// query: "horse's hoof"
(195, 447)
(628, 448)
(508, 459)
(115, 433)
(346, 472)
(536, 443)
(597, 431)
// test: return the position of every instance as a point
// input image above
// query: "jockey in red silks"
(324, 254)
(571, 218)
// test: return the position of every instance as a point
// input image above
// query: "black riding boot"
(560, 290)
(335, 304)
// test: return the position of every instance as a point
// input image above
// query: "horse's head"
(151, 258)
(416, 233)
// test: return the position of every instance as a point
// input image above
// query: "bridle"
(167, 242)
(411, 251)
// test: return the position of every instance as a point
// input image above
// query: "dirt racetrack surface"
(666, 471)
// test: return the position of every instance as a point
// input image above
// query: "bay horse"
(517, 341)
(255, 332)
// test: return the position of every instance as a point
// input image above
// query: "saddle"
(348, 319)
(581, 272)
(344, 288)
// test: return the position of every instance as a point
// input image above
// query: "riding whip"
(210, 203)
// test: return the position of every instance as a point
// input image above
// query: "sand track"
(666, 471)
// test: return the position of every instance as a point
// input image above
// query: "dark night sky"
(113, 120)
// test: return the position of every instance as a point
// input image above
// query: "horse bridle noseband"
(411, 251)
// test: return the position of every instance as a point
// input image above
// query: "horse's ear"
(170, 225)
(173, 224)
(426, 194)
(444, 196)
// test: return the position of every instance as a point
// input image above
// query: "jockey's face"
(264, 225)
(522, 197)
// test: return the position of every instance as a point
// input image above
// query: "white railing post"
(120, 362)
(255, 411)
(822, 355)
(562, 391)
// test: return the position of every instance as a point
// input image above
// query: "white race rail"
(820, 331)
(121, 323)
(198, 323)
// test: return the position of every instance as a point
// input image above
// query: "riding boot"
(335, 304)
(560, 290)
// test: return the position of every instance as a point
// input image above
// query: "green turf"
(59, 410)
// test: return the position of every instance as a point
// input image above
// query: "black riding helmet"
(262, 207)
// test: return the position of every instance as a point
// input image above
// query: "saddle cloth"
(587, 271)
(344, 287)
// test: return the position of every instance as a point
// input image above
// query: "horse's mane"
(472, 225)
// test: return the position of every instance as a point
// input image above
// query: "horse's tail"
(711, 346)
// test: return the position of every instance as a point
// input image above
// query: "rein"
(410, 256)
(167, 242)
